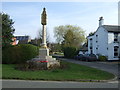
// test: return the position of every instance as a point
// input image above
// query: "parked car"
(80, 57)
(90, 57)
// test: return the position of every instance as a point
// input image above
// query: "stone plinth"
(44, 60)
(43, 52)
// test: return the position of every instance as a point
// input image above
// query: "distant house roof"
(84, 47)
(23, 39)
(112, 28)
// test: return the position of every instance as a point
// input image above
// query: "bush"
(102, 58)
(69, 52)
(19, 53)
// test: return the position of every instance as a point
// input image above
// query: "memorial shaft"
(44, 23)
(44, 36)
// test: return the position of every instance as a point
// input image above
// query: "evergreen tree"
(7, 30)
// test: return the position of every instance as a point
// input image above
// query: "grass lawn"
(73, 72)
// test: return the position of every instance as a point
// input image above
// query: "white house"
(105, 41)
(84, 49)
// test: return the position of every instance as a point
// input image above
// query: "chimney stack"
(101, 21)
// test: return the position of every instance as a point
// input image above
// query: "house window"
(91, 42)
(96, 50)
(115, 37)
(91, 51)
(96, 38)
(90, 47)
(116, 50)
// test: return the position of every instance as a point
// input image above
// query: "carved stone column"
(44, 23)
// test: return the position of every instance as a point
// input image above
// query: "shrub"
(19, 53)
(28, 51)
(102, 58)
(69, 52)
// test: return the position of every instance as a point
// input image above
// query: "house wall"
(99, 47)
(111, 45)
(89, 43)
(105, 43)
(119, 44)
(102, 42)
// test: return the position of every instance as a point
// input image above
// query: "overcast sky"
(27, 15)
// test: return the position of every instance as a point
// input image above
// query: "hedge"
(102, 58)
(69, 52)
(19, 53)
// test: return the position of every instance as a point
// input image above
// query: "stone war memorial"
(44, 61)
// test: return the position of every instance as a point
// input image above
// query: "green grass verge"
(75, 72)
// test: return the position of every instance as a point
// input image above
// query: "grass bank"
(72, 72)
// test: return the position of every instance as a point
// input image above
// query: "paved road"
(111, 67)
(55, 84)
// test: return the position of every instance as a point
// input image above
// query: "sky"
(27, 15)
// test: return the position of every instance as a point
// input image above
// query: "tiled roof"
(112, 28)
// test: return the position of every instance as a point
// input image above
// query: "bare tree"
(39, 36)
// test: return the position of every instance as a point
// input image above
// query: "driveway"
(111, 67)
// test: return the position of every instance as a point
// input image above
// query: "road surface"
(56, 84)
(111, 67)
